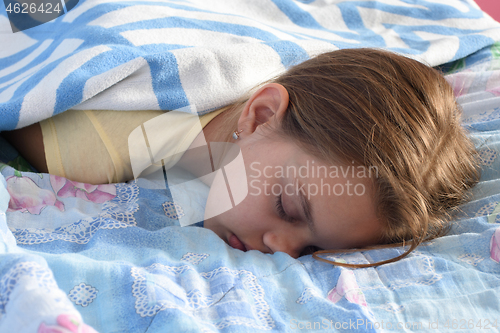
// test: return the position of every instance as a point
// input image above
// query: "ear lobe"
(269, 101)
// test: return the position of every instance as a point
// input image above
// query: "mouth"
(236, 243)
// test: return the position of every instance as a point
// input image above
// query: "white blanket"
(167, 54)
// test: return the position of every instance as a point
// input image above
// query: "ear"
(267, 105)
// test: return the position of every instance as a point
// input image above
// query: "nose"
(288, 240)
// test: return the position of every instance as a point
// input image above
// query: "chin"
(214, 225)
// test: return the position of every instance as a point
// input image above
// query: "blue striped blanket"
(168, 54)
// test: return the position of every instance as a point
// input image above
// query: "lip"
(236, 243)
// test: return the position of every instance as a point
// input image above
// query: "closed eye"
(284, 216)
(281, 211)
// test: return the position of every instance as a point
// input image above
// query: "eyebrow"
(306, 207)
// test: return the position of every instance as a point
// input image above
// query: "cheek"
(250, 207)
(218, 200)
(228, 189)
(253, 212)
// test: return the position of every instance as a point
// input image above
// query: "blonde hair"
(384, 110)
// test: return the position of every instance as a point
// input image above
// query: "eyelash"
(283, 215)
(281, 211)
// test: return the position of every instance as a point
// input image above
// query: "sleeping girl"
(348, 150)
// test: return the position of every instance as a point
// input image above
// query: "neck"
(214, 130)
(195, 159)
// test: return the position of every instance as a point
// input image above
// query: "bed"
(113, 257)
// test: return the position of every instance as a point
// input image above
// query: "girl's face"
(297, 203)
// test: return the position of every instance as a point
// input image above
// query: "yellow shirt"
(92, 146)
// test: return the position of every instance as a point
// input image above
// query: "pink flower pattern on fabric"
(27, 196)
(461, 82)
(66, 323)
(66, 188)
(495, 246)
(493, 84)
(347, 287)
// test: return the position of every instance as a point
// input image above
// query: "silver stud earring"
(236, 134)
